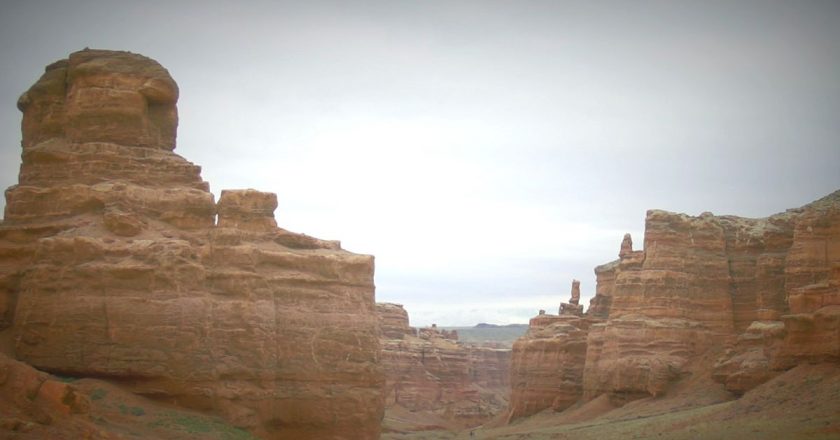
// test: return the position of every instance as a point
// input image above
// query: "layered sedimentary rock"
(748, 363)
(428, 370)
(112, 265)
(812, 285)
(393, 321)
(767, 291)
(668, 303)
(547, 364)
(797, 312)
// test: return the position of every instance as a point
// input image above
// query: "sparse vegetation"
(66, 379)
(98, 394)
(209, 427)
(132, 410)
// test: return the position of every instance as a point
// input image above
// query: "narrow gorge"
(434, 382)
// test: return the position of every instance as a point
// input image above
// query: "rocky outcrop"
(33, 404)
(797, 310)
(428, 371)
(748, 363)
(669, 302)
(812, 286)
(758, 295)
(393, 321)
(573, 307)
(547, 364)
(112, 265)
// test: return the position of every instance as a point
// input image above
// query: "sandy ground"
(803, 403)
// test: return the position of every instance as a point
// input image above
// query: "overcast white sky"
(486, 152)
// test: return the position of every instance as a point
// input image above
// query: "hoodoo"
(112, 265)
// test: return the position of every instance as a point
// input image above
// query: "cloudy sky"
(486, 152)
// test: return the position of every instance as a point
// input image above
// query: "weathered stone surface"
(626, 246)
(766, 290)
(634, 356)
(749, 363)
(102, 96)
(430, 372)
(36, 405)
(599, 305)
(801, 288)
(573, 307)
(667, 304)
(756, 250)
(393, 321)
(111, 266)
(490, 369)
(812, 284)
(547, 365)
(247, 209)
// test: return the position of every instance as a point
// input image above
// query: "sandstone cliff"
(547, 365)
(429, 373)
(738, 299)
(113, 264)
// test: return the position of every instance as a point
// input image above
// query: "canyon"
(432, 381)
(133, 304)
(735, 300)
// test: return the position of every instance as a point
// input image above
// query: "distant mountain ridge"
(484, 333)
(486, 325)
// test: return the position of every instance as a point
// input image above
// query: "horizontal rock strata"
(759, 295)
(112, 265)
(428, 371)
(547, 365)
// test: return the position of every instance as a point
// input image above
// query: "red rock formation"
(766, 289)
(112, 266)
(547, 365)
(393, 321)
(490, 368)
(668, 303)
(748, 363)
(626, 246)
(599, 305)
(431, 373)
(36, 405)
(812, 285)
(798, 297)
(573, 307)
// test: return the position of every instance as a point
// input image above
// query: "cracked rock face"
(758, 295)
(112, 265)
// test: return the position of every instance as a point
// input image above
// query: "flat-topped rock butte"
(117, 263)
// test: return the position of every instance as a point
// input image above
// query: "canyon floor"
(803, 403)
